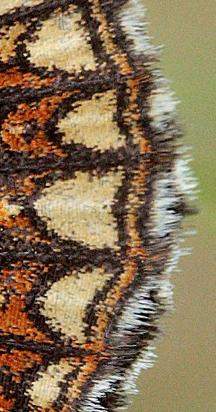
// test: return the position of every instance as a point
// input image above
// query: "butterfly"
(93, 191)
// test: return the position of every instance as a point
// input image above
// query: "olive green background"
(184, 376)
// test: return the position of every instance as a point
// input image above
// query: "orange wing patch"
(28, 124)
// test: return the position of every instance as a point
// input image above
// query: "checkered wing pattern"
(91, 198)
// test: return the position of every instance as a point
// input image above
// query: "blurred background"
(184, 376)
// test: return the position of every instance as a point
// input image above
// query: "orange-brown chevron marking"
(14, 128)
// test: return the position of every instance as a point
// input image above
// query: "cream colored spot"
(8, 35)
(7, 5)
(80, 208)
(63, 43)
(46, 389)
(12, 209)
(66, 301)
(92, 123)
(2, 299)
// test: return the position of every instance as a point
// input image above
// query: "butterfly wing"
(92, 194)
